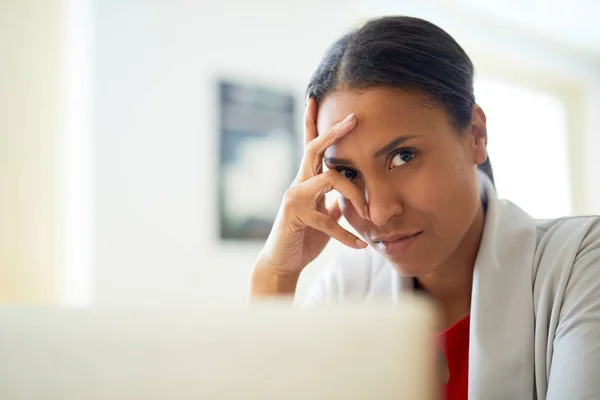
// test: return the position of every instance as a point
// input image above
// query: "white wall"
(155, 157)
(593, 148)
(156, 134)
(30, 136)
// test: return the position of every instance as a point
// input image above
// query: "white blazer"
(535, 304)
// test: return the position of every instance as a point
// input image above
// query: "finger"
(334, 211)
(330, 227)
(333, 134)
(324, 183)
(312, 161)
(310, 120)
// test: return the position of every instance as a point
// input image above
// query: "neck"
(451, 283)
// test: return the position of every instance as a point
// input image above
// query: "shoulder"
(353, 274)
(564, 245)
(567, 239)
(567, 267)
(567, 290)
(581, 226)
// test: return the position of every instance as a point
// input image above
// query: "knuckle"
(332, 175)
(328, 224)
(322, 224)
(290, 199)
(311, 148)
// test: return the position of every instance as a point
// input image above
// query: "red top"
(455, 344)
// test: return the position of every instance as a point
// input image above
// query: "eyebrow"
(337, 161)
(382, 151)
(392, 145)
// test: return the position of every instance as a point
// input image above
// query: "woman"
(392, 115)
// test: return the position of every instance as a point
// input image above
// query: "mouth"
(396, 244)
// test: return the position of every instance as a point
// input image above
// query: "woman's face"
(418, 174)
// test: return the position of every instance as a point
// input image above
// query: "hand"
(304, 225)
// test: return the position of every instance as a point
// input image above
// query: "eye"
(402, 157)
(347, 173)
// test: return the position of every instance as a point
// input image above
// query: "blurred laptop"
(267, 351)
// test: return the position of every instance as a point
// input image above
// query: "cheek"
(446, 198)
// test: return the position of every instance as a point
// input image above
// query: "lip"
(397, 244)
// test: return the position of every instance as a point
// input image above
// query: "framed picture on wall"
(258, 157)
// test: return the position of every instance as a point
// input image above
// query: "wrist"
(268, 279)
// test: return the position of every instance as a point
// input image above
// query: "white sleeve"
(575, 368)
(325, 289)
(353, 275)
(330, 286)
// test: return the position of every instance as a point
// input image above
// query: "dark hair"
(401, 52)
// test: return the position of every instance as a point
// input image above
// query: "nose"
(383, 203)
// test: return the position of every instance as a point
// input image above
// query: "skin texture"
(430, 186)
(425, 183)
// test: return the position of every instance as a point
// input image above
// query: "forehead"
(383, 114)
(375, 104)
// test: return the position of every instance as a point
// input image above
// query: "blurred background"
(112, 127)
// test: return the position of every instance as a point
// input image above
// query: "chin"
(411, 269)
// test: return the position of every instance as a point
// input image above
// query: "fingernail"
(307, 98)
(349, 118)
(366, 211)
(361, 244)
